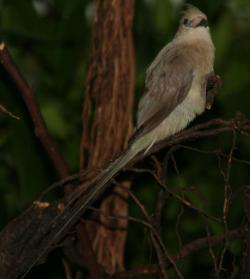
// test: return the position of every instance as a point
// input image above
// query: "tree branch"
(186, 250)
(41, 131)
(29, 99)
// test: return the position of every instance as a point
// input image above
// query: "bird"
(175, 93)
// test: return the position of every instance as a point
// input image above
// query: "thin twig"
(40, 128)
(227, 200)
(11, 114)
(158, 239)
(183, 200)
(30, 101)
(186, 250)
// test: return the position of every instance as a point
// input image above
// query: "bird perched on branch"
(175, 93)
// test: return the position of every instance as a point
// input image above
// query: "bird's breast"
(177, 120)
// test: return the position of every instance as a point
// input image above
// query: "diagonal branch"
(43, 238)
(42, 133)
(29, 99)
(186, 250)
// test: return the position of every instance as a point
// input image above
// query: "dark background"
(50, 41)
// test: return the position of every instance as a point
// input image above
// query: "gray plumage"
(174, 94)
(165, 88)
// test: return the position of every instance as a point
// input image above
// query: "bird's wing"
(168, 81)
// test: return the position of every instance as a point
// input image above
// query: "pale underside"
(174, 90)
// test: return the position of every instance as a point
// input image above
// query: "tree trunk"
(107, 121)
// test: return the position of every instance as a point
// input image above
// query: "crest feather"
(191, 11)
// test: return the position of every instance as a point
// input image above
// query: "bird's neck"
(200, 43)
(194, 35)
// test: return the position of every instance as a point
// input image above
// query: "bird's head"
(193, 21)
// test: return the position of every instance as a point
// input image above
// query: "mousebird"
(175, 93)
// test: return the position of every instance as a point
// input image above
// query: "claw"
(213, 84)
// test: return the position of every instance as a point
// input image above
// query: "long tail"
(93, 194)
(102, 179)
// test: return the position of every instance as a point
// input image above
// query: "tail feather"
(94, 193)
(105, 177)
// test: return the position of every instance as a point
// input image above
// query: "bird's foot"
(213, 84)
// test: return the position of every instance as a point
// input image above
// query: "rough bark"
(107, 119)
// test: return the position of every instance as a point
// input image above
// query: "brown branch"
(41, 131)
(46, 232)
(186, 250)
(43, 237)
(200, 131)
(160, 248)
(227, 201)
(209, 129)
(28, 249)
(246, 261)
(178, 196)
(30, 101)
(107, 118)
(88, 253)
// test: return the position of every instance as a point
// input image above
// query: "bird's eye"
(203, 23)
(186, 22)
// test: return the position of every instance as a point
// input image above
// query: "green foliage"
(50, 45)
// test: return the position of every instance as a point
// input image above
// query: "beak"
(199, 21)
